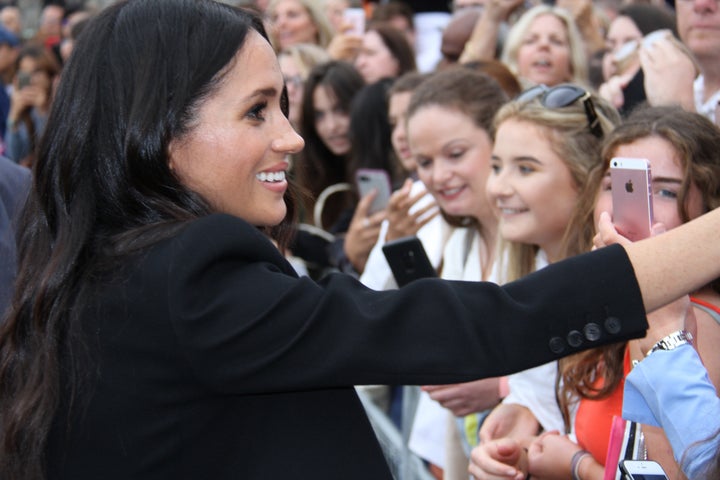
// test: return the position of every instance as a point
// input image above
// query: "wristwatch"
(672, 341)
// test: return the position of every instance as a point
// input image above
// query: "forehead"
(254, 65)
(623, 25)
(290, 5)
(664, 158)
(548, 21)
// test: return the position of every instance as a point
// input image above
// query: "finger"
(657, 229)
(488, 461)
(363, 205)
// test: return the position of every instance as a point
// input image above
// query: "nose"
(705, 5)
(497, 186)
(440, 173)
(288, 142)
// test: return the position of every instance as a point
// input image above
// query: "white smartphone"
(642, 470)
(631, 184)
(356, 18)
(369, 179)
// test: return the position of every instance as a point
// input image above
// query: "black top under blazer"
(211, 359)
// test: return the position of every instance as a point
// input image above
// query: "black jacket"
(211, 359)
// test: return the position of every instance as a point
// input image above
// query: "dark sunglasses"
(564, 95)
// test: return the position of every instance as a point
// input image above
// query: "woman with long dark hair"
(156, 331)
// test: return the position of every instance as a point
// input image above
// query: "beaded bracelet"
(575, 463)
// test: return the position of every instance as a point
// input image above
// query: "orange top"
(593, 421)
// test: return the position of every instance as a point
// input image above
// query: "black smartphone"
(23, 80)
(408, 260)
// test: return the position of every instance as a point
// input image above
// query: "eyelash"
(256, 112)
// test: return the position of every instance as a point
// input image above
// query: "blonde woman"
(298, 21)
(545, 47)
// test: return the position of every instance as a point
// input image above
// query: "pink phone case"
(632, 196)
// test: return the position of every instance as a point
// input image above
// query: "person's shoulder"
(225, 234)
(13, 176)
(14, 184)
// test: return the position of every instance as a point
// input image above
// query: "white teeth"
(271, 176)
(452, 191)
(509, 211)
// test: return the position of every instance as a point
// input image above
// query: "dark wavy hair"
(397, 43)
(370, 131)
(318, 167)
(103, 190)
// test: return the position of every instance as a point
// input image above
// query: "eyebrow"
(667, 180)
(262, 92)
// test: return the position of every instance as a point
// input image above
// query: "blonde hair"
(578, 56)
(568, 133)
(305, 56)
(316, 10)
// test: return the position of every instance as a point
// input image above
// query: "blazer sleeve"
(247, 323)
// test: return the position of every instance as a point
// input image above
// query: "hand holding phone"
(631, 185)
(369, 179)
(642, 470)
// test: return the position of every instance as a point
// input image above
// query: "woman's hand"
(510, 420)
(498, 459)
(550, 457)
(612, 89)
(362, 233)
(669, 73)
(500, 10)
(466, 398)
(345, 46)
(23, 98)
(402, 223)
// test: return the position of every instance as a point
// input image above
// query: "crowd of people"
(192, 284)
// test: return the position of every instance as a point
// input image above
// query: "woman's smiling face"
(531, 187)
(452, 155)
(234, 154)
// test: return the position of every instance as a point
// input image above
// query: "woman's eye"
(495, 168)
(666, 193)
(423, 162)
(525, 169)
(457, 153)
(257, 112)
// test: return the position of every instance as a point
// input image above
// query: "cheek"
(425, 176)
(603, 204)
(666, 212)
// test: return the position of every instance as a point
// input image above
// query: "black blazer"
(210, 358)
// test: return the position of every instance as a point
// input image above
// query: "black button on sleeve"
(557, 345)
(575, 338)
(592, 332)
(612, 325)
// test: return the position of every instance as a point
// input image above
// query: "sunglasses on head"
(564, 95)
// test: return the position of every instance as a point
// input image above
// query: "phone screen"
(642, 470)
